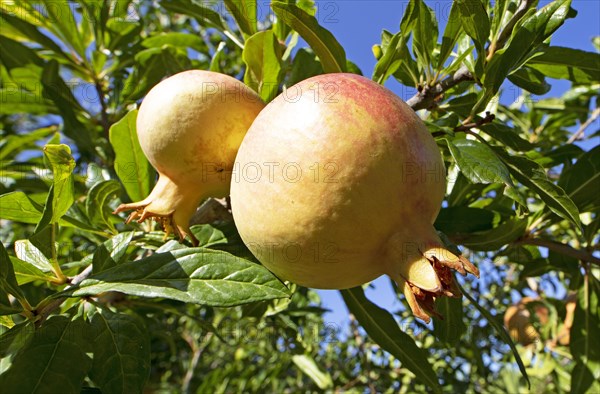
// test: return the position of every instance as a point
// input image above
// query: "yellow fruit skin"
(190, 126)
(338, 182)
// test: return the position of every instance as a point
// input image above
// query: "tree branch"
(563, 249)
(45, 310)
(579, 134)
(427, 97)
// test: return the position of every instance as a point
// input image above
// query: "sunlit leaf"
(132, 167)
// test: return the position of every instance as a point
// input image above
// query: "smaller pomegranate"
(518, 319)
(190, 126)
(338, 182)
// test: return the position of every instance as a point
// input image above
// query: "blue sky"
(357, 25)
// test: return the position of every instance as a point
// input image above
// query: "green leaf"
(304, 66)
(27, 30)
(30, 254)
(204, 15)
(507, 136)
(176, 39)
(62, 165)
(54, 88)
(132, 167)
(452, 327)
(451, 34)
(8, 281)
(111, 252)
(461, 220)
(64, 25)
(578, 181)
(420, 20)
(532, 175)
(96, 203)
(478, 162)
(215, 62)
(585, 342)
(475, 22)
(499, 328)
(18, 207)
(121, 352)
(326, 47)
(262, 56)
(310, 368)
(40, 366)
(393, 55)
(531, 80)
(244, 13)
(196, 275)
(26, 272)
(13, 54)
(13, 340)
(14, 143)
(495, 238)
(384, 330)
(575, 65)
(525, 39)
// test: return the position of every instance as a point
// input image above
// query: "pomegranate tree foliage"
(88, 303)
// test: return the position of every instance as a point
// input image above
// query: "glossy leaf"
(384, 330)
(30, 254)
(525, 39)
(244, 13)
(8, 281)
(581, 181)
(132, 167)
(204, 15)
(25, 272)
(507, 136)
(452, 327)
(18, 207)
(13, 340)
(567, 63)
(533, 176)
(326, 47)
(531, 80)
(585, 343)
(478, 162)
(420, 20)
(196, 275)
(450, 36)
(111, 252)
(394, 53)
(476, 24)
(40, 366)
(308, 365)
(96, 203)
(121, 352)
(461, 219)
(495, 238)
(262, 56)
(62, 165)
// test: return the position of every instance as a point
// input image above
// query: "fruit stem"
(170, 204)
(423, 269)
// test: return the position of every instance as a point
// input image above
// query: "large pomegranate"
(337, 182)
(190, 127)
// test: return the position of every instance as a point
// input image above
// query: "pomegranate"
(338, 182)
(518, 319)
(190, 126)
